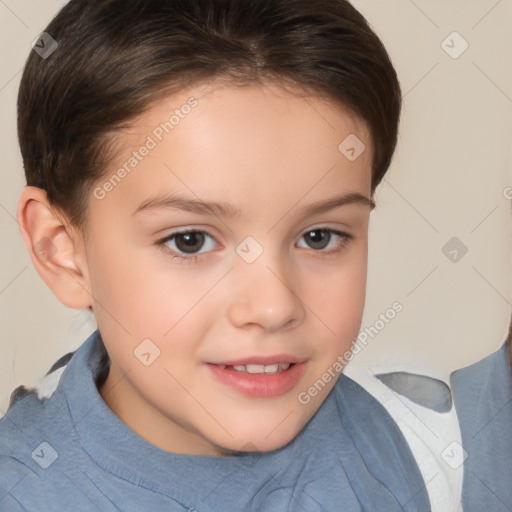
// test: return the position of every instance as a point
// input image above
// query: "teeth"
(255, 368)
(260, 368)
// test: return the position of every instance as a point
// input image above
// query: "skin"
(268, 153)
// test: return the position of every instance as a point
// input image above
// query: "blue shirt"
(70, 452)
(482, 395)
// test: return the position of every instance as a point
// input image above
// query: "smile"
(258, 368)
(259, 380)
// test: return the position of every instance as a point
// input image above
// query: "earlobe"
(55, 249)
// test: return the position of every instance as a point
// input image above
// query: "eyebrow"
(163, 201)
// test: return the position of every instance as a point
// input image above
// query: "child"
(482, 395)
(200, 175)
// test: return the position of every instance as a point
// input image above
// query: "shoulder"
(35, 420)
(483, 398)
(28, 423)
(45, 479)
(42, 466)
(23, 455)
(483, 392)
(18, 485)
(379, 440)
(485, 368)
(483, 387)
(31, 409)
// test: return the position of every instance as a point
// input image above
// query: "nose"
(264, 296)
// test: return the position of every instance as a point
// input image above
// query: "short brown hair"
(115, 58)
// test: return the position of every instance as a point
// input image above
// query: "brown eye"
(318, 239)
(325, 240)
(189, 243)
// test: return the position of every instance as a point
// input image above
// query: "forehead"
(218, 138)
(220, 106)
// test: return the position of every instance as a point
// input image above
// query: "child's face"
(200, 298)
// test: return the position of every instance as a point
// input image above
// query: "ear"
(56, 249)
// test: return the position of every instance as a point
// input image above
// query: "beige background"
(447, 180)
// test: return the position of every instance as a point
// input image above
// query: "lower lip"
(261, 385)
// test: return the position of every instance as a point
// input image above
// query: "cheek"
(140, 290)
(340, 296)
(120, 283)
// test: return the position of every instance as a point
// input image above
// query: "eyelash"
(345, 240)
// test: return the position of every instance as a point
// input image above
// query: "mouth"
(258, 368)
(257, 379)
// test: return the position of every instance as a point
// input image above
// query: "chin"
(255, 442)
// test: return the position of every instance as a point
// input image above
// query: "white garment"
(434, 438)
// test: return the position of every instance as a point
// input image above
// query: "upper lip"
(264, 360)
